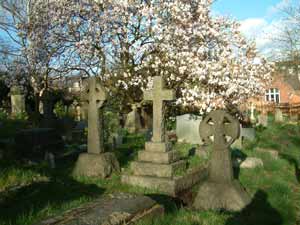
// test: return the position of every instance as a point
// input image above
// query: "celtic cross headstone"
(96, 162)
(94, 96)
(221, 191)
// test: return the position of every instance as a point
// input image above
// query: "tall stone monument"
(220, 191)
(252, 115)
(96, 162)
(17, 100)
(157, 164)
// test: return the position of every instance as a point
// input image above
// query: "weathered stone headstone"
(48, 105)
(252, 116)
(158, 163)
(17, 100)
(278, 115)
(220, 191)
(263, 120)
(96, 162)
(246, 133)
(272, 152)
(251, 163)
(187, 126)
(133, 120)
(294, 117)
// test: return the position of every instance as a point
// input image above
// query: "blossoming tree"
(204, 57)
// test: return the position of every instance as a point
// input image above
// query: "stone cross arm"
(159, 93)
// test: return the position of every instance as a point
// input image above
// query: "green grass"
(31, 193)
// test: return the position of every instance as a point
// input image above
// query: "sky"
(259, 19)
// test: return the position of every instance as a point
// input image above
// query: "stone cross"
(95, 95)
(252, 116)
(158, 95)
(220, 190)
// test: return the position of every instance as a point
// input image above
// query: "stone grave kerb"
(158, 95)
(94, 96)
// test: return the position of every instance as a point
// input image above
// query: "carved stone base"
(170, 186)
(96, 165)
(228, 196)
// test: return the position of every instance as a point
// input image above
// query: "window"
(272, 95)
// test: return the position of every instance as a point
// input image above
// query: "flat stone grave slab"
(115, 209)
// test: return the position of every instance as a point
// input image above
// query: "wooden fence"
(286, 108)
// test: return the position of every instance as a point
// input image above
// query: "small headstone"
(220, 190)
(50, 158)
(202, 151)
(133, 120)
(95, 162)
(278, 115)
(273, 153)
(263, 120)
(251, 163)
(246, 133)
(17, 100)
(294, 117)
(252, 116)
(187, 126)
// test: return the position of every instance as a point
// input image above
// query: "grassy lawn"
(30, 193)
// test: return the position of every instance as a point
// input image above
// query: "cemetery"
(146, 113)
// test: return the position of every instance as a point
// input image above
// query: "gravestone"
(17, 100)
(157, 164)
(278, 115)
(49, 119)
(294, 117)
(246, 133)
(133, 120)
(96, 162)
(262, 120)
(220, 191)
(252, 116)
(187, 126)
(48, 104)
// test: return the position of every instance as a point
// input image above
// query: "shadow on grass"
(237, 154)
(170, 204)
(39, 198)
(258, 212)
(294, 162)
(128, 151)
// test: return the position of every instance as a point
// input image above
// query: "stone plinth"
(96, 165)
(215, 195)
(168, 185)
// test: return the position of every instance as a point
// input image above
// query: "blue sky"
(245, 9)
(260, 19)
